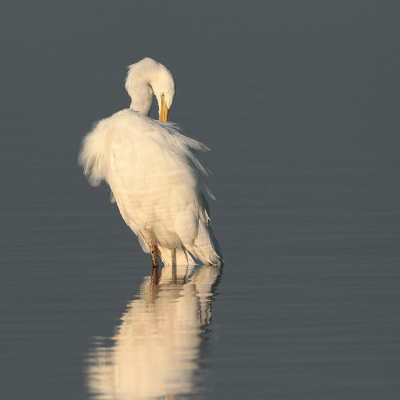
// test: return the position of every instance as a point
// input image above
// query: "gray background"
(299, 102)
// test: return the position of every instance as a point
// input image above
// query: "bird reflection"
(156, 351)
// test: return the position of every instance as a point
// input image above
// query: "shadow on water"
(157, 350)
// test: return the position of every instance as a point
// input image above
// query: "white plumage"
(152, 171)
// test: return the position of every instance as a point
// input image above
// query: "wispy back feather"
(92, 154)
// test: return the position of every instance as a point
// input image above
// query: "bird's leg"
(154, 276)
(153, 252)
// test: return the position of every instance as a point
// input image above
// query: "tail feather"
(206, 247)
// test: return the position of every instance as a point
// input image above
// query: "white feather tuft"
(92, 155)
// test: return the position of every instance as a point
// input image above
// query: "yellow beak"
(163, 111)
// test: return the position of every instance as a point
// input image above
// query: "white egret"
(153, 173)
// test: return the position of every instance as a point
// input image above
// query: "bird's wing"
(155, 176)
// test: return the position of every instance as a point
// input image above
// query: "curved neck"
(141, 95)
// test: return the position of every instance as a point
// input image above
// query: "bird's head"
(164, 89)
(147, 73)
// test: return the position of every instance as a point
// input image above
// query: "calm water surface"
(299, 104)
